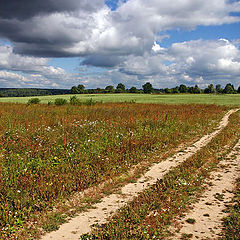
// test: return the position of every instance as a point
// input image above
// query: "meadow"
(154, 210)
(47, 153)
(219, 99)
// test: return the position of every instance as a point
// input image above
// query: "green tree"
(133, 90)
(74, 90)
(210, 89)
(238, 89)
(229, 89)
(175, 90)
(99, 90)
(167, 90)
(191, 90)
(148, 88)
(109, 89)
(183, 88)
(196, 90)
(120, 88)
(218, 88)
(81, 88)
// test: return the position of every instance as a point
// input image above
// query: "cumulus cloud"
(84, 28)
(124, 40)
(19, 71)
(193, 62)
(25, 9)
(22, 80)
(15, 62)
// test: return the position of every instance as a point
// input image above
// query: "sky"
(59, 43)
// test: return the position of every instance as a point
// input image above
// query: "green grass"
(151, 213)
(229, 99)
(48, 153)
(232, 222)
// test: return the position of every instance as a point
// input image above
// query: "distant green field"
(229, 99)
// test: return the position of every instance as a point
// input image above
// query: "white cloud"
(125, 40)
(194, 62)
(15, 62)
(131, 29)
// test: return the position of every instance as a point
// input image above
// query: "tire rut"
(209, 210)
(81, 224)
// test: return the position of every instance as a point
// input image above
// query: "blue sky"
(99, 43)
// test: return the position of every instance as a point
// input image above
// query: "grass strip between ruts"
(151, 212)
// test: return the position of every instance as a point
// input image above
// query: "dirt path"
(208, 212)
(101, 211)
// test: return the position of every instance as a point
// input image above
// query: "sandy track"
(208, 211)
(81, 224)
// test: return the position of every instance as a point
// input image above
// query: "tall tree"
(81, 88)
(196, 89)
(148, 88)
(210, 89)
(120, 88)
(133, 90)
(109, 89)
(229, 89)
(183, 88)
(74, 90)
(219, 89)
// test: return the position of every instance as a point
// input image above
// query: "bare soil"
(209, 210)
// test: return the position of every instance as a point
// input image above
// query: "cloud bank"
(119, 40)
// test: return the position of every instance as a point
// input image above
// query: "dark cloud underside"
(23, 9)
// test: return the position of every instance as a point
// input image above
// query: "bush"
(34, 101)
(60, 101)
(75, 101)
(91, 102)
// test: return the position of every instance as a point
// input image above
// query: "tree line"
(80, 89)
(27, 92)
(148, 88)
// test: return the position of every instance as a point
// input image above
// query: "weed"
(191, 220)
(48, 153)
(186, 236)
(232, 222)
(168, 199)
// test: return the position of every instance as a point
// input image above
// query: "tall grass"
(50, 152)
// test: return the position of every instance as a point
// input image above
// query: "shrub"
(75, 101)
(90, 102)
(34, 101)
(60, 101)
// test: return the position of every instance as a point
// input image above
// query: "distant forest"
(146, 88)
(27, 92)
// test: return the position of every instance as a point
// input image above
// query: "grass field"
(228, 99)
(48, 152)
(151, 213)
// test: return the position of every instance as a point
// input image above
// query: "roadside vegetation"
(151, 213)
(232, 222)
(49, 152)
